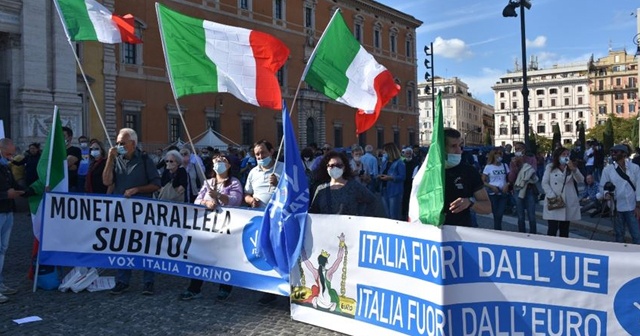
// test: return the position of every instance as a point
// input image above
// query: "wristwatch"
(471, 203)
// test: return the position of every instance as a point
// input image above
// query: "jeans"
(554, 225)
(124, 276)
(498, 205)
(6, 223)
(627, 218)
(527, 203)
(392, 205)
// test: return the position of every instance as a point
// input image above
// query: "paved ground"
(163, 314)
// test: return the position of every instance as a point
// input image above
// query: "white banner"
(175, 238)
(401, 278)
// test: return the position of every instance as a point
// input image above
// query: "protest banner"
(369, 276)
(174, 238)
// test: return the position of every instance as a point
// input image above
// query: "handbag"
(169, 193)
(554, 203)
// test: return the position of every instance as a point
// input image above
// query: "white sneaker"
(7, 290)
(3, 298)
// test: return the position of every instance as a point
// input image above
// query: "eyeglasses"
(335, 165)
(169, 161)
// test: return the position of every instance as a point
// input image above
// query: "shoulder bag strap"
(625, 177)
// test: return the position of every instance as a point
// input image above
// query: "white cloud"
(538, 42)
(453, 48)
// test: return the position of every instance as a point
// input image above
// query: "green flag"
(427, 194)
(52, 171)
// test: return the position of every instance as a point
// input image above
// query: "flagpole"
(199, 169)
(84, 77)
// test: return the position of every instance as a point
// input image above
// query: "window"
(579, 88)
(213, 122)
(376, 37)
(580, 114)
(553, 91)
(540, 92)
(619, 95)
(602, 109)
(566, 90)
(502, 106)
(502, 118)
(132, 53)
(408, 48)
(308, 17)
(311, 130)
(568, 127)
(380, 137)
(540, 116)
(132, 120)
(579, 100)
(278, 10)
(567, 115)
(393, 39)
(541, 129)
(553, 116)
(632, 82)
(247, 132)
(514, 105)
(281, 77)
(357, 32)
(174, 128)
(503, 130)
(553, 102)
(600, 84)
(515, 129)
(619, 108)
(394, 101)
(632, 107)
(132, 115)
(501, 94)
(600, 97)
(245, 4)
(514, 94)
(540, 103)
(566, 102)
(618, 81)
(632, 95)
(409, 98)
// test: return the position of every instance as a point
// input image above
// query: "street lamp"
(510, 11)
(429, 52)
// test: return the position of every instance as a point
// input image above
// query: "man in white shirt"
(263, 178)
(624, 176)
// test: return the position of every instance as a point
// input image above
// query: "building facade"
(37, 71)
(614, 86)
(559, 95)
(460, 111)
(142, 97)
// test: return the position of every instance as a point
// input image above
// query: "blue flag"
(283, 223)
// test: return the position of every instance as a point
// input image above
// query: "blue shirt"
(369, 164)
(591, 191)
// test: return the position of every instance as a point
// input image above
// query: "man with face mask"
(625, 176)
(464, 189)
(130, 173)
(263, 179)
(74, 156)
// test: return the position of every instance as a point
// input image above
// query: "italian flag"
(52, 171)
(204, 57)
(88, 20)
(343, 70)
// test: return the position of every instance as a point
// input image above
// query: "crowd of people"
(357, 181)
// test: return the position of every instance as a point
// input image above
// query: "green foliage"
(621, 130)
(544, 143)
(581, 135)
(635, 133)
(487, 139)
(557, 139)
(607, 135)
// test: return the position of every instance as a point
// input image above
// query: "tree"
(623, 130)
(581, 135)
(557, 139)
(533, 141)
(607, 136)
(544, 143)
(634, 132)
(487, 139)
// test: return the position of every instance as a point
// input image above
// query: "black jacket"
(7, 182)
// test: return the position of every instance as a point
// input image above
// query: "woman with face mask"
(559, 180)
(175, 174)
(494, 177)
(342, 195)
(93, 182)
(220, 190)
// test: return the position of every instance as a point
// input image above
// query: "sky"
(474, 42)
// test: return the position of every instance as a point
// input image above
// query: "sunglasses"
(169, 161)
(336, 165)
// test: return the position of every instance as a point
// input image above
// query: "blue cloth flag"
(285, 216)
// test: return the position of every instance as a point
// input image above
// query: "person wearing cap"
(625, 177)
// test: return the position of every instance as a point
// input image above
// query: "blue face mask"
(564, 160)
(453, 160)
(264, 162)
(121, 150)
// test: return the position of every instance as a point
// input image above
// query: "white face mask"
(519, 153)
(564, 160)
(335, 172)
(220, 168)
(95, 153)
(453, 160)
